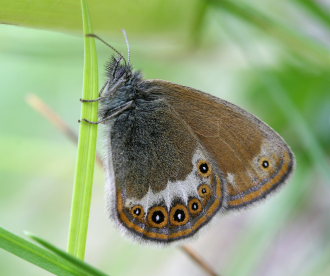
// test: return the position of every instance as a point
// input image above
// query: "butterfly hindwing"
(164, 184)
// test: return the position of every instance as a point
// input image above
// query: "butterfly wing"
(255, 160)
(164, 184)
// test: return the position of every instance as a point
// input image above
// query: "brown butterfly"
(176, 156)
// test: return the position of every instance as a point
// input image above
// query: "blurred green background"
(270, 57)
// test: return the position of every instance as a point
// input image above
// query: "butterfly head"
(118, 69)
(120, 87)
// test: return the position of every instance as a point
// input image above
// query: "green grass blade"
(86, 147)
(198, 25)
(317, 9)
(86, 267)
(37, 255)
(292, 39)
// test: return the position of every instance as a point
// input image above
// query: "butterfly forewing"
(253, 157)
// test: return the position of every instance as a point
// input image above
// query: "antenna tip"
(127, 44)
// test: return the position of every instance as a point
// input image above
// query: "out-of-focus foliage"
(270, 57)
(140, 16)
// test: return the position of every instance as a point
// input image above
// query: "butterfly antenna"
(116, 66)
(110, 46)
(127, 45)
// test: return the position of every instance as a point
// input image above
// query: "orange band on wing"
(129, 224)
(266, 187)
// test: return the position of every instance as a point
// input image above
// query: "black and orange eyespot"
(179, 215)
(137, 211)
(195, 206)
(157, 217)
(265, 164)
(204, 191)
(204, 168)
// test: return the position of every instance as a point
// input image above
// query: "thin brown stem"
(36, 103)
(39, 105)
(198, 260)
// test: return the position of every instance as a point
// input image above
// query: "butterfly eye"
(204, 191)
(137, 211)
(265, 163)
(204, 168)
(179, 215)
(158, 217)
(195, 206)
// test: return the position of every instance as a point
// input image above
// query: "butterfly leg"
(112, 90)
(114, 87)
(115, 113)
(100, 95)
(92, 101)
(103, 88)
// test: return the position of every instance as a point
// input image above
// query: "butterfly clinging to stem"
(176, 156)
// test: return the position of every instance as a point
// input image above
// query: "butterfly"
(175, 156)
